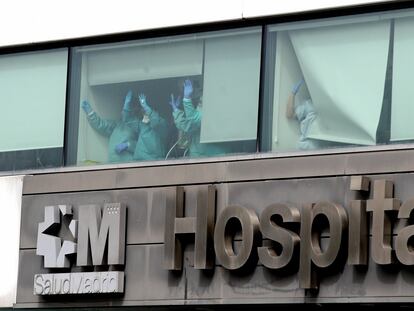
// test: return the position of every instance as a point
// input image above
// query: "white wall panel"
(45, 20)
(30, 21)
(10, 207)
(254, 8)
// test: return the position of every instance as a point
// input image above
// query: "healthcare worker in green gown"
(188, 123)
(121, 133)
(152, 131)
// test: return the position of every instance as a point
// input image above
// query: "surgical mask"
(145, 119)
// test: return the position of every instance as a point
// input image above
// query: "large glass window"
(165, 98)
(338, 83)
(329, 83)
(402, 112)
(32, 97)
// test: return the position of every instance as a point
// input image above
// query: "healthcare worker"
(122, 136)
(306, 114)
(152, 133)
(188, 123)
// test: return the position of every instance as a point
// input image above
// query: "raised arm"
(290, 107)
(103, 127)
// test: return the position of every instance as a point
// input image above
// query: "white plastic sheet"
(344, 69)
(145, 62)
(231, 88)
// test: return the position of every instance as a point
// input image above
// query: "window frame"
(261, 149)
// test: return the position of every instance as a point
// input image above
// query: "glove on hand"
(121, 147)
(297, 86)
(128, 101)
(143, 101)
(86, 107)
(188, 89)
(175, 103)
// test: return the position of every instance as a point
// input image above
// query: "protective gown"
(189, 123)
(152, 136)
(306, 114)
(118, 132)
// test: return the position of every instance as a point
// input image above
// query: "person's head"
(198, 90)
(197, 84)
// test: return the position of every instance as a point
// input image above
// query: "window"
(338, 83)
(402, 112)
(32, 96)
(329, 83)
(164, 98)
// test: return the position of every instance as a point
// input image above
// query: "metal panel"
(258, 195)
(375, 281)
(144, 279)
(380, 162)
(263, 284)
(145, 214)
(124, 178)
(148, 281)
(32, 265)
(149, 284)
(389, 161)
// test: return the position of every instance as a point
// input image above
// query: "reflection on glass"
(188, 96)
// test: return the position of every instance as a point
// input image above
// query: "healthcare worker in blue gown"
(152, 131)
(305, 112)
(121, 133)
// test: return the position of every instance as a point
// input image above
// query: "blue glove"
(121, 147)
(188, 89)
(86, 107)
(297, 86)
(143, 101)
(128, 101)
(175, 104)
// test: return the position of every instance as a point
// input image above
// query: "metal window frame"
(308, 16)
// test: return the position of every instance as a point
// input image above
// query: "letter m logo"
(101, 234)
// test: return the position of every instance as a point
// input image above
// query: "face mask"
(145, 119)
